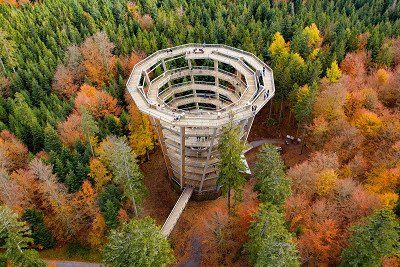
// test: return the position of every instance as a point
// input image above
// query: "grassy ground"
(72, 253)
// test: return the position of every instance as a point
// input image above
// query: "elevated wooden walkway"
(191, 92)
(258, 90)
(177, 211)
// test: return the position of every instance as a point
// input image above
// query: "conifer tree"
(270, 242)
(231, 166)
(121, 161)
(274, 187)
(375, 238)
(16, 237)
(89, 127)
(138, 243)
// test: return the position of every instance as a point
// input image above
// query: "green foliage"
(109, 126)
(231, 166)
(304, 102)
(126, 172)
(7, 52)
(138, 243)
(272, 184)
(51, 26)
(42, 237)
(89, 127)
(377, 237)
(52, 141)
(16, 237)
(35, 37)
(71, 166)
(270, 243)
(110, 203)
(25, 124)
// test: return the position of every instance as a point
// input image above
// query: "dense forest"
(72, 140)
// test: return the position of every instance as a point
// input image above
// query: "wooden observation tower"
(191, 92)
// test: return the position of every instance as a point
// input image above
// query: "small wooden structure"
(191, 92)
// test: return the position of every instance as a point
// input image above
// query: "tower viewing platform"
(191, 92)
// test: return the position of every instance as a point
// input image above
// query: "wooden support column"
(216, 77)
(208, 159)
(146, 77)
(183, 146)
(161, 140)
(165, 70)
(239, 75)
(163, 65)
(248, 127)
(190, 67)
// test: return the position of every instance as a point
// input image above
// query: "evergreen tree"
(110, 203)
(41, 235)
(122, 163)
(138, 243)
(372, 240)
(15, 236)
(7, 53)
(270, 243)
(274, 187)
(52, 141)
(231, 166)
(89, 127)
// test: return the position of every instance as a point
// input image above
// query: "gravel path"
(195, 255)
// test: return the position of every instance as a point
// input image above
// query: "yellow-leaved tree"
(326, 181)
(368, 122)
(313, 35)
(333, 73)
(142, 137)
(385, 183)
(278, 45)
(99, 173)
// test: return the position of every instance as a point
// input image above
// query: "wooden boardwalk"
(177, 211)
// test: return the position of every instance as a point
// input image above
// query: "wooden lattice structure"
(191, 92)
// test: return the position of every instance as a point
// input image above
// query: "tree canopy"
(138, 243)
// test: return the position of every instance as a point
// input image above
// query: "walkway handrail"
(244, 58)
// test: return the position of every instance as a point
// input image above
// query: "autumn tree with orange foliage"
(88, 217)
(129, 61)
(13, 153)
(69, 75)
(11, 193)
(323, 206)
(70, 130)
(355, 127)
(98, 59)
(97, 102)
(93, 60)
(55, 200)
